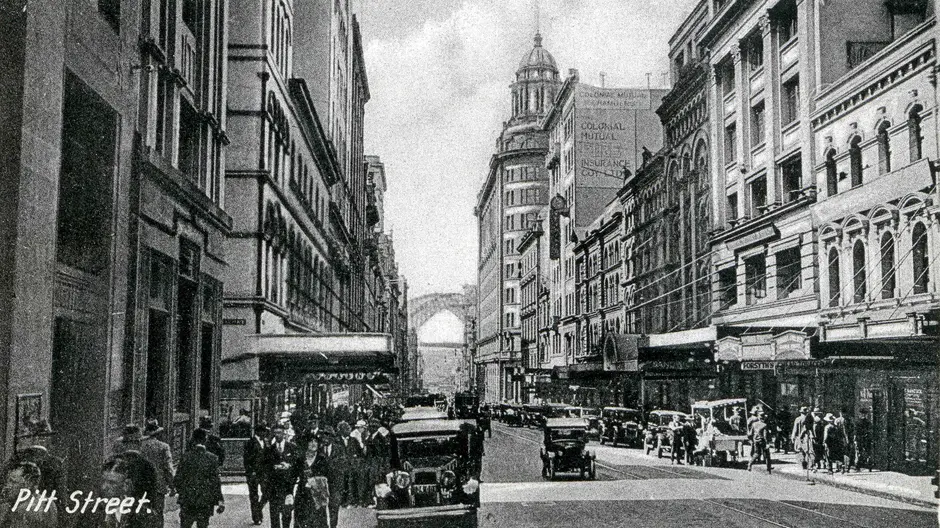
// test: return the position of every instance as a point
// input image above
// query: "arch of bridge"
(422, 309)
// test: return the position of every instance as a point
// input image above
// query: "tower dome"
(538, 57)
(536, 83)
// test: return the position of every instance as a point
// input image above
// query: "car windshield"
(428, 447)
(567, 434)
(633, 416)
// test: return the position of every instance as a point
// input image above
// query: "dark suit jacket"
(253, 457)
(197, 479)
(158, 453)
(279, 482)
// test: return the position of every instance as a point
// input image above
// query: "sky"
(439, 74)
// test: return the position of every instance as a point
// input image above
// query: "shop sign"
(753, 238)
(757, 365)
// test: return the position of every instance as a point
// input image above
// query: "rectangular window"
(788, 25)
(727, 78)
(89, 139)
(188, 153)
(731, 138)
(788, 272)
(731, 207)
(758, 190)
(758, 126)
(791, 101)
(791, 178)
(755, 278)
(755, 53)
(728, 287)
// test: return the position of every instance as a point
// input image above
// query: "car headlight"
(472, 486)
(401, 480)
(448, 479)
(383, 491)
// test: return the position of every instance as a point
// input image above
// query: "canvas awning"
(339, 358)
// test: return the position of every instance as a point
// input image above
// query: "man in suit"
(253, 460)
(213, 442)
(158, 453)
(199, 484)
(349, 456)
(279, 459)
(335, 470)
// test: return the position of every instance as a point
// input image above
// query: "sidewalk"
(887, 484)
(238, 513)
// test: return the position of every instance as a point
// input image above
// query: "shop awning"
(765, 345)
(912, 350)
(340, 358)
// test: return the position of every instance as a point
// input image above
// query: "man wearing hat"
(335, 473)
(51, 467)
(213, 442)
(130, 439)
(819, 429)
(802, 436)
(253, 459)
(758, 434)
(279, 459)
(158, 453)
(360, 466)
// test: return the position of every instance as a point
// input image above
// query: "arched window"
(887, 266)
(832, 175)
(920, 256)
(834, 287)
(855, 160)
(860, 286)
(884, 148)
(915, 134)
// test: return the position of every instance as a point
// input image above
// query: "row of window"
(518, 174)
(788, 278)
(529, 196)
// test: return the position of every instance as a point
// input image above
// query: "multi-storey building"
(112, 223)
(763, 63)
(533, 285)
(597, 136)
(296, 178)
(874, 128)
(514, 192)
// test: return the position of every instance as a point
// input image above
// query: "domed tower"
(536, 83)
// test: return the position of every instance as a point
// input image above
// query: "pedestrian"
(130, 439)
(312, 491)
(832, 442)
(863, 441)
(199, 484)
(377, 446)
(158, 453)
(676, 441)
(784, 418)
(334, 462)
(819, 447)
(279, 482)
(253, 460)
(752, 417)
(801, 437)
(126, 475)
(689, 440)
(758, 434)
(350, 452)
(213, 442)
(737, 421)
(362, 476)
(846, 425)
(19, 475)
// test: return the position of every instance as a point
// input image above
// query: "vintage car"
(591, 415)
(435, 475)
(715, 436)
(485, 420)
(411, 414)
(563, 450)
(529, 416)
(537, 414)
(512, 415)
(659, 433)
(620, 425)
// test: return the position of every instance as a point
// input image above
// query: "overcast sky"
(439, 73)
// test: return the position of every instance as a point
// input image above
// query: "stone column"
(741, 109)
(714, 102)
(771, 111)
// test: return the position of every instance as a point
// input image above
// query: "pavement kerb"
(817, 478)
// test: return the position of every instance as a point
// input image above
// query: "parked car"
(715, 436)
(434, 478)
(484, 420)
(512, 415)
(563, 450)
(545, 411)
(620, 425)
(528, 416)
(659, 433)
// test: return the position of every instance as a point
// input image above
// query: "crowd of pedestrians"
(832, 442)
(307, 467)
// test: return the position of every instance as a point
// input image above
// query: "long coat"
(158, 453)
(253, 457)
(309, 510)
(279, 482)
(197, 480)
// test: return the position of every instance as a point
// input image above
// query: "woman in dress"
(311, 491)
